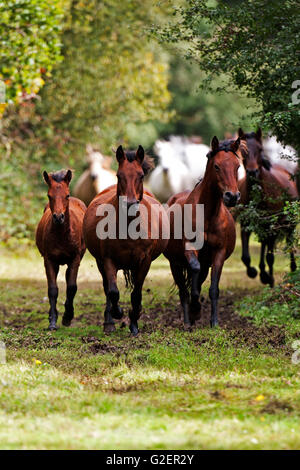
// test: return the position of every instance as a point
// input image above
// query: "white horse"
(96, 178)
(171, 175)
(277, 153)
(181, 165)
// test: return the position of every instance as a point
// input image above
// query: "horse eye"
(217, 168)
(142, 177)
(68, 196)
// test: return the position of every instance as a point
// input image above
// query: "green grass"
(233, 387)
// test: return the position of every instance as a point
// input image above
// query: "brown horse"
(217, 191)
(277, 187)
(59, 239)
(119, 250)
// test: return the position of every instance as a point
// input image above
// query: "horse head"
(223, 163)
(95, 160)
(58, 194)
(132, 168)
(254, 159)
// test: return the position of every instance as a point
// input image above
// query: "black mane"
(58, 176)
(147, 164)
(224, 146)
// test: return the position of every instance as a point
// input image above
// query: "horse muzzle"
(252, 173)
(231, 199)
(58, 219)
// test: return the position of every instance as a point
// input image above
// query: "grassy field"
(234, 387)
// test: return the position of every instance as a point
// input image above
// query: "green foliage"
(277, 306)
(111, 76)
(256, 44)
(198, 112)
(265, 222)
(29, 44)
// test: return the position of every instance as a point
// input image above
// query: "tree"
(29, 45)
(111, 75)
(256, 44)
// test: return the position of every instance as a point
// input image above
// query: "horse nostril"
(228, 194)
(58, 218)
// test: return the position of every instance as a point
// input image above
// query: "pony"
(119, 251)
(277, 187)
(59, 238)
(217, 191)
(96, 178)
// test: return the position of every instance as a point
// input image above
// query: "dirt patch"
(97, 346)
(276, 406)
(239, 328)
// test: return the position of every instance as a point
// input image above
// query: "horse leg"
(51, 273)
(289, 240)
(71, 278)
(251, 271)
(109, 324)
(195, 306)
(136, 296)
(270, 259)
(293, 261)
(216, 271)
(180, 281)
(112, 289)
(264, 276)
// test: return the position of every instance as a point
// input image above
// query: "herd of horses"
(68, 227)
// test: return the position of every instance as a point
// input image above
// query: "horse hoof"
(251, 272)
(187, 326)
(265, 278)
(109, 327)
(214, 323)
(195, 312)
(134, 329)
(293, 266)
(66, 321)
(52, 327)
(117, 313)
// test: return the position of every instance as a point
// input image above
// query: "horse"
(170, 175)
(121, 251)
(59, 238)
(285, 156)
(96, 178)
(277, 187)
(217, 191)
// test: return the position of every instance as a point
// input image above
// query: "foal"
(217, 191)
(115, 252)
(60, 241)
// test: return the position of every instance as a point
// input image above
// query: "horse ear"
(241, 134)
(120, 154)
(68, 177)
(214, 143)
(258, 134)
(46, 177)
(140, 154)
(235, 145)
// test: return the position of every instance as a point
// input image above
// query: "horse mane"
(224, 146)
(58, 176)
(147, 164)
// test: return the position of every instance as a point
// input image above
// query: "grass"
(230, 388)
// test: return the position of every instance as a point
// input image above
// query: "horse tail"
(129, 281)
(187, 282)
